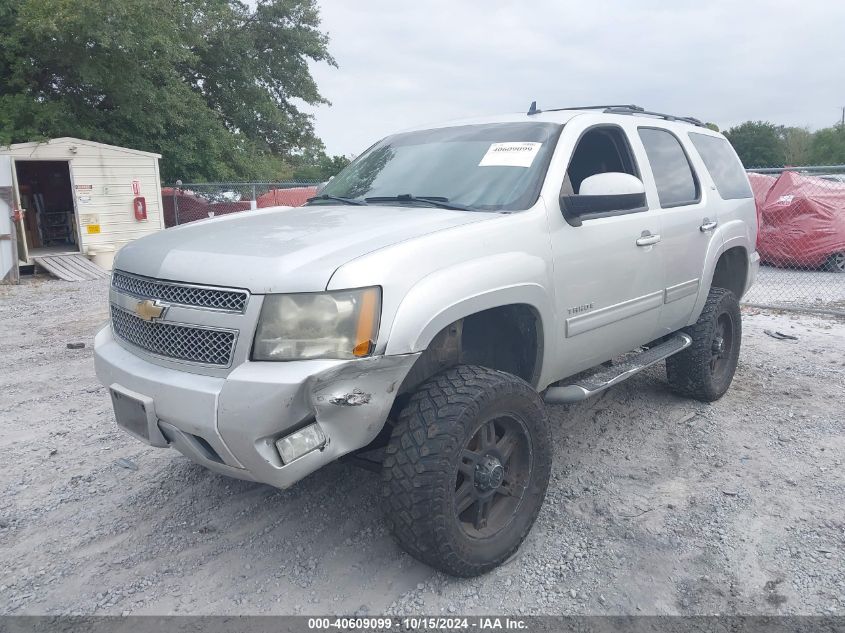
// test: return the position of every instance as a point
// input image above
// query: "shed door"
(8, 250)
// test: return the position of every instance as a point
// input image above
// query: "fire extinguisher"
(140, 206)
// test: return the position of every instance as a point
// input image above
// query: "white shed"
(76, 196)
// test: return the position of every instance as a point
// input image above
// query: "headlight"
(339, 324)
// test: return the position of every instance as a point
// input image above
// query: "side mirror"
(604, 194)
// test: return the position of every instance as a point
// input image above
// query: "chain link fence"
(800, 238)
(188, 202)
(800, 214)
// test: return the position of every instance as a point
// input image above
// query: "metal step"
(71, 267)
(592, 384)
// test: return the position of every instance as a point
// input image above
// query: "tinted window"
(673, 175)
(723, 164)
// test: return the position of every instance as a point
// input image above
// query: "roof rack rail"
(534, 110)
(621, 109)
(660, 115)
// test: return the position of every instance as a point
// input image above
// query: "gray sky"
(408, 63)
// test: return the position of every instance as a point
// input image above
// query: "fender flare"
(728, 240)
(467, 288)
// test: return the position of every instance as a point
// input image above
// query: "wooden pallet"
(72, 267)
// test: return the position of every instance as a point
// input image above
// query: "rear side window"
(676, 183)
(723, 164)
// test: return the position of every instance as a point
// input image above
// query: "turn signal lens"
(365, 336)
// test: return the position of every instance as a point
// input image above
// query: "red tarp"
(186, 206)
(189, 206)
(222, 208)
(293, 197)
(761, 184)
(802, 221)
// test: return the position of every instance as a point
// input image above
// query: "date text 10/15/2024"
(412, 623)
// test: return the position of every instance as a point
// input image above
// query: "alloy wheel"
(722, 346)
(492, 476)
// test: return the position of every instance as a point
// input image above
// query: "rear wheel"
(466, 469)
(705, 369)
(836, 263)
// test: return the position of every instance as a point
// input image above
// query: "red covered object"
(803, 221)
(293, 197)
(222, 208)
(184, 204)
(189, 207)
(761, 184)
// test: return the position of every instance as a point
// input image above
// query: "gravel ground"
(657, 505)
(815, 289)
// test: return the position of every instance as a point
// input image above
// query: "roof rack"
(534, 110)
(659, 115)
(621, 109)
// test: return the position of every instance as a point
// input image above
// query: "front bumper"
(230, 424)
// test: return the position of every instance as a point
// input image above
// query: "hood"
(281, 249)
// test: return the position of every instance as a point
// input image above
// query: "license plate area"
(135, 413)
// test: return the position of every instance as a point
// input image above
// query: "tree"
(758, 143)
(209, 84)
(318, 166)
(796, 145)
(828, 146)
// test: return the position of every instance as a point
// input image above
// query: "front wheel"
(705, 369)
(466, 469)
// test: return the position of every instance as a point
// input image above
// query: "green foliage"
(797, 143)
(318, 166)
(209, 84)
(763, 144)
(828, 146)
(758, 143)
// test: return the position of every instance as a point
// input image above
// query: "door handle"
(648, 239)
(708, 225)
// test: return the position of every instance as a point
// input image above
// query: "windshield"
(493, 167)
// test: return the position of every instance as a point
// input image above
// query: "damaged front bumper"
(231, 424)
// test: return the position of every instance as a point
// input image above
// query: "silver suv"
(418, 313)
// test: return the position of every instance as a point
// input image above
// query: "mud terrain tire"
(705, 369)
(466, 469)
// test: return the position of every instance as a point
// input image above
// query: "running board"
(595, 383)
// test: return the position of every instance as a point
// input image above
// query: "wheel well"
(731, 271)
(508, 338)
(505, 338)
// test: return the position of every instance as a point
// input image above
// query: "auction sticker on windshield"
(520, 154)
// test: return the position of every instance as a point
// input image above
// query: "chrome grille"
(180, 342)
(181, 294)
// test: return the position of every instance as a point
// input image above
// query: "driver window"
(600, 150)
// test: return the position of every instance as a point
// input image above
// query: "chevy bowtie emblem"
(149, 310)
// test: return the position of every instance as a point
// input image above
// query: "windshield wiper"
(437, 201)
(325, 196)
